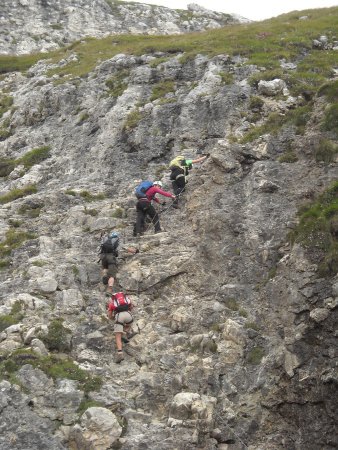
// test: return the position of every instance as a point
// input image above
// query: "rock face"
(236, 332)
(42, 25)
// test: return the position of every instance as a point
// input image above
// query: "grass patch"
(226, 77)
(91, 212)
(56, 26)
(252, 326)
(330, 91)
(14, 239)
(212, 347)
(256, 103)
(118, 213)
(161, 89)
(317, 231)
(297, 117)
(15, 223)
(272, 273)
(18, 193)
(15, 316)
(242, 312)
(5, 131)
(133, 119)
(6, 102)
(267, 75)
(156, 62)
(326, 151)
(330, 122)
(31, 211)
(216, 327)
(57, 337)
(4, 264)
(24, 62)
(34, 156)
(231, 304)
(70, 192)
(288, 157)
(117, 84)
(89, 197)
(53, 366)
(255, 356)
(86, 403)
(83, 117)
(6, 166)
(271, 126)
(39, 263)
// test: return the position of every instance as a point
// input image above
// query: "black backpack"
(109, 245)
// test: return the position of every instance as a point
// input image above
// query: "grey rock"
(225, 306)
(319, 314)
(45, 26)
(99, 429)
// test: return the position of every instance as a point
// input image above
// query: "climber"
(109, 252)
(144, 207)
(180, 167)
(119, 309)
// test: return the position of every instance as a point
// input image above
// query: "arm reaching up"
(198, 160)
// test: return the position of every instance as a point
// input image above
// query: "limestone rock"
(98, 429)
(271, 88)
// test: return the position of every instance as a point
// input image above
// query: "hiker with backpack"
(119, 310)
(109, 252)
(180, 167)
(146, 193)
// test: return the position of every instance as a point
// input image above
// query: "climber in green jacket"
(180, 167)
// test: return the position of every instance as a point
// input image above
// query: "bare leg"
(118, 341)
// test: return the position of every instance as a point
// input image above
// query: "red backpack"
(120, 302)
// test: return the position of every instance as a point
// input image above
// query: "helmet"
(158, 183)
(113, 234)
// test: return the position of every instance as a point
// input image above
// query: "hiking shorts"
(109, 263)
(121, 319)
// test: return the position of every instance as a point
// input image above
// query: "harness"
(180, 176)
(144, 199)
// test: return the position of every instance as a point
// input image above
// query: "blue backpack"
(141, 189)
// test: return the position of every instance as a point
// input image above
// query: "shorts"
(109, 263)
(124, 318)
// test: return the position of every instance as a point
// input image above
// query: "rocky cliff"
(42, 25)
(236, 321)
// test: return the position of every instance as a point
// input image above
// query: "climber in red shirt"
(145, 208)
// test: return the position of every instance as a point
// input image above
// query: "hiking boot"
(119, 357)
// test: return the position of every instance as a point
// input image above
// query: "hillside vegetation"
(262, 43)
